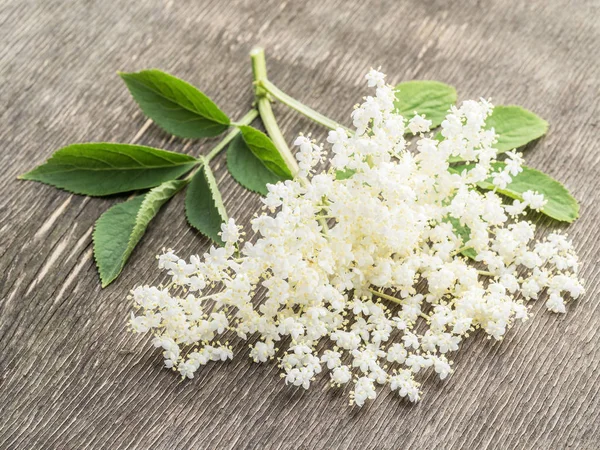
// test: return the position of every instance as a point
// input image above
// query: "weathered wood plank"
(71, 377)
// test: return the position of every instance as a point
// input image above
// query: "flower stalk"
(259, 70)
(385, 296)
(306, 111)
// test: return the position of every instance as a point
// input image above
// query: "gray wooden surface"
(71, 377)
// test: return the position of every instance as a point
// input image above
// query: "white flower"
(375, 78)
(501, 179)
(404, 383)
(513, 162)
(341, 375)
(139, 324)
(361, 275)
(262, 351)
(556, 304)
(230, 233)
(411, 340)
(186, 369)
(291, 326)
(534, 200)
(331, 358)
(442, 367)
(221, 354)
(396, 353)
(363, 389)
(419, 124)
(308, 156)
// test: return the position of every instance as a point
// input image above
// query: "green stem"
(324, 225)
(300, 107)
(486, 273)
(460, 250)
(259, 69)
(208, 297)
(246, 120)
(385, 296)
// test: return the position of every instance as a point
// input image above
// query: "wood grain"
(70, 375)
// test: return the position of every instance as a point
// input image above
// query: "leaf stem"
(299, 106)
(246, 120)
(259, 70)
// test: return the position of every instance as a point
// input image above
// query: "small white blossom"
(262, 351)
(331, 358)
(230, 233)
(419, 124)
(442, 367)
(364, 389)
(534, 200)
(341, 375)
(375, 78)
(362, 275)
(556, 304)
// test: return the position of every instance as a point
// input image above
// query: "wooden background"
(71, 377)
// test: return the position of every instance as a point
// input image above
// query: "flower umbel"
(371, 262)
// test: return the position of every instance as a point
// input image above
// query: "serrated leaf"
(263, 148)
(247, 169)
(105, 168)
(204, 206)
(560, 203)
(464, 232)
(120, 228)
(515, 127)
(431, 98)
(175, 105)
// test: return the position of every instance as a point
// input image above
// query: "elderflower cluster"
(357, 272)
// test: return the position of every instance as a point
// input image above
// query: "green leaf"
(515, 127)
(247, 169)
(344, 174)
(104, 168)
(119, 229)
(263, 148)
(431, 98)
(560, 203)
(175, 105)
(464, 232)
(203, 205)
